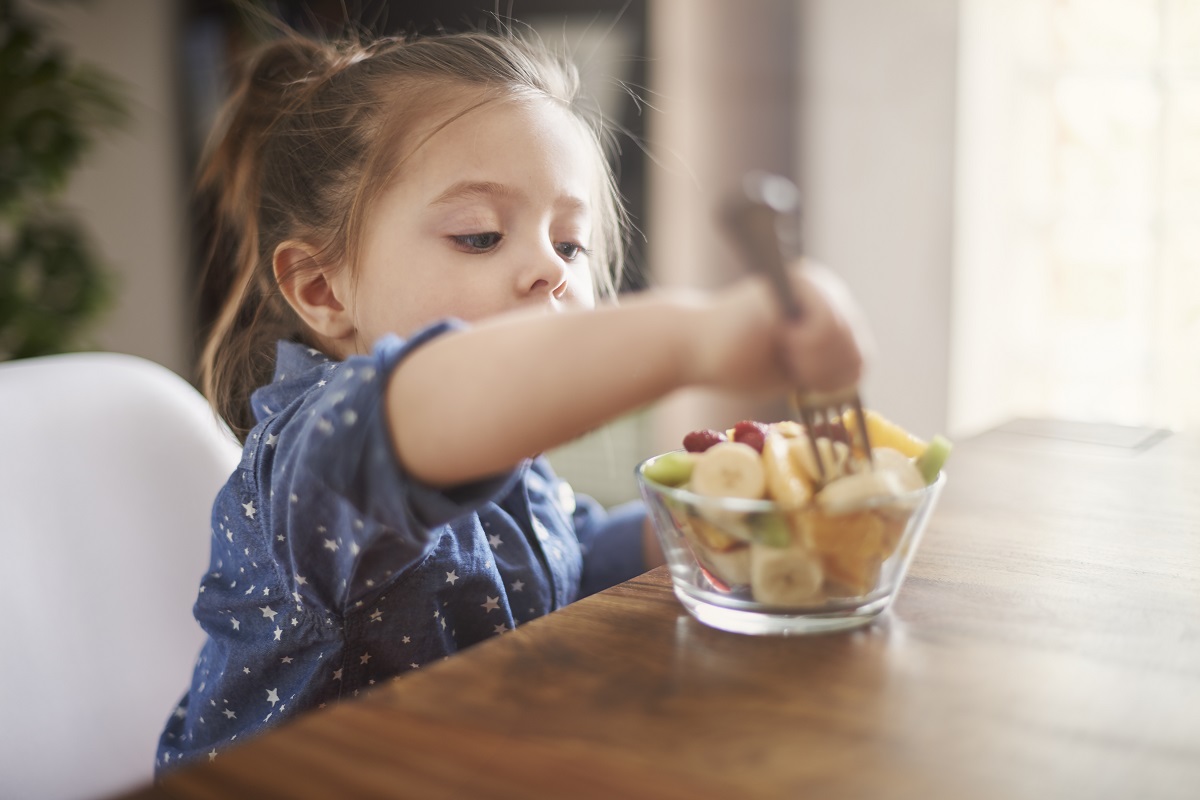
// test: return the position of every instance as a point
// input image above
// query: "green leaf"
(52, 109)
(51, 285)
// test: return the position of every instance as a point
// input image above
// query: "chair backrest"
(109, 465)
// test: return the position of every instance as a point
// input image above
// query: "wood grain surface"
(1045, 644)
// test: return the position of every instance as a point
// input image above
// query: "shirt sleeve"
(611, 542)
(338, 488)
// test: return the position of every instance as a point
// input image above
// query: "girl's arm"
(474, 403)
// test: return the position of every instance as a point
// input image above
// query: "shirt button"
(566, 497)
(539, 529)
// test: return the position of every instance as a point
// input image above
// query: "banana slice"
(787, 485)
(731, 567)
(888, 459)
(787, 428)
(834, 455)
(856, 491)
(783, 576)
(712, 536)
(729, 469)
(728, 523)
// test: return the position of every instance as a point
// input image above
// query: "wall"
(722, 98)
(856, 99)
(876, 165)
(130, 190)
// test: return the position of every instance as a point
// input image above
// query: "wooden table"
(1045, 644)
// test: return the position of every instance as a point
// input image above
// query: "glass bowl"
(749, 566)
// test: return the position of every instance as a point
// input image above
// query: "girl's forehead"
(474, 107)
(507, 131)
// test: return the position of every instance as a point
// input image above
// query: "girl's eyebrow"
(465, 190)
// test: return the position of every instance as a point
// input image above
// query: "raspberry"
(701, 440)
(750, 432)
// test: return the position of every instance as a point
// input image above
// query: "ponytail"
(229, 197)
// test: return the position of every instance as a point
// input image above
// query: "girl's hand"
(747, 343)
(826, 349)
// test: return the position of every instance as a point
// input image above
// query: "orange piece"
(894, 525)
(859, 533)
(851, 547)
(850, 575)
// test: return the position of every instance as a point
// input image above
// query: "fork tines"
(824, 416)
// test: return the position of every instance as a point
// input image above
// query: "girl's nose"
(543, 273)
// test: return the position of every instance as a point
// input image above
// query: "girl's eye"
(570, 251)
(478, 242)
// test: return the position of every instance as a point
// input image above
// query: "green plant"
(51, 109)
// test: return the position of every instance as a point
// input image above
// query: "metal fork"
(764, 222)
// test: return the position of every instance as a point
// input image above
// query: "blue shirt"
(332, 570)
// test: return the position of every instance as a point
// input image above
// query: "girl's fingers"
(824, 360)
(826, 349)
(744, 342)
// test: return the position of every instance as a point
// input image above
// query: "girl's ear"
(312, 291)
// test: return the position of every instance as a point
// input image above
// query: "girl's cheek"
(582, 291)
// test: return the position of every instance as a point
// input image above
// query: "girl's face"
(491, 213)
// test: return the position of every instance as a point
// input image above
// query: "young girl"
(414, 234)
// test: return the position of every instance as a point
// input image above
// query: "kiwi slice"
(670, 469)
(770, 529)
(931, 460)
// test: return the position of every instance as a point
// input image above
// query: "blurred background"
(1010, 187)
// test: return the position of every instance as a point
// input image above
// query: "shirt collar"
(297, 368)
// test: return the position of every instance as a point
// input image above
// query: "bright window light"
(1077, 285)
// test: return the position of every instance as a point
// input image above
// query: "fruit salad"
(823, 534)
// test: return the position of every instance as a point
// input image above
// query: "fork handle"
(755, 221)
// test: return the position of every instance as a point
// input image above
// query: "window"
(1078, 266)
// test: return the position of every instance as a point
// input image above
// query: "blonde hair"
(304, 145)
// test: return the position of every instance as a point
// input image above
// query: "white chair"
(108, 468)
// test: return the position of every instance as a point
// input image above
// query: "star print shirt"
(332, 570)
